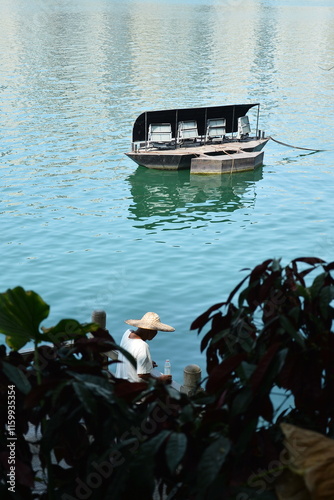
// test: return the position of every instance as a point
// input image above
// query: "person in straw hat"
(134, 342)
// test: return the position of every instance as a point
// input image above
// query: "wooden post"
(99, 317)
(191, 379)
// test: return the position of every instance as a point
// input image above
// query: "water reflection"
(160, 198)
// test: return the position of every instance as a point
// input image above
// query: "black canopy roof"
(230, 112)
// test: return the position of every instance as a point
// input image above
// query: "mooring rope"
(232, 158)
(295, 147)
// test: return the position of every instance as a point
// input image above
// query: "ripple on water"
(86, 228)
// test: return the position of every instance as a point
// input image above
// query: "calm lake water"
(86, 228)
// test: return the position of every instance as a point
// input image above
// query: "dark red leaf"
(212, 417)
(205, 340)
(234, 291)
(255, 283)
(329, 267)
(302, 375)
(62, 475)
(205, 317)
(221, 400)
(211, 359)
(221, 373)
(286, 378)
(264, 292)
(252, 296)
(312, 261)
(309, 260)
(37, 394)
(25, 475)
(102, 333)
(259, 270)
(220, 323)
(305, 273)
(96, 344)
(263, 366)
(23, 472)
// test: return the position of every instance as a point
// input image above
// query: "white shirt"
(141, 352)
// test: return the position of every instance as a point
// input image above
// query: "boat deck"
(209, 148)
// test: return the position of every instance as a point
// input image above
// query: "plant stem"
(37, 365)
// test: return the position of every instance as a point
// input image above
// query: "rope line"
(295, 147)
(232, 158)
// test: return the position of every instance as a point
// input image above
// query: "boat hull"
(162, 161)
(227, 164)
(181, 157)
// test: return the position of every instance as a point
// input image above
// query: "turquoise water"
(85, 227)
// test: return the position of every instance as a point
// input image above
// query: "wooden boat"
(170, 139)
(226, 163)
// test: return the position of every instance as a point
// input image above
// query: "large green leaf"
(245, 371)
(290, 329)
(175, 449)
(21, 313)
(95, 385)
(318, 284)
(242, 401)
(151, 446)
(68, 329)
(86, 397)
(211, 461)
(326, 296)
(16, 376)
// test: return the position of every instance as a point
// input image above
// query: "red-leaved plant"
(270, 359)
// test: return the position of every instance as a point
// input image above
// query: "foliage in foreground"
(100, 437)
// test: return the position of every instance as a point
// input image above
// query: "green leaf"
(245, 371)
(16, 376)
(175, 449)
(85, 397)
(245, 436)
(275, 369)
(211, 461)
(68, 329)
(97, 385)
(317, 284)
(303, 292)
(152, 446)
(289, 328)
(242, 401)
(21, 313)
(326, 296)
(51, 426)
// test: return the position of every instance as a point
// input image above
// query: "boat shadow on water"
(162, 197)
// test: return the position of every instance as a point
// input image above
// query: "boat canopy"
(231, 113)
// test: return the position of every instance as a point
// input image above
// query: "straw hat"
(150, 321)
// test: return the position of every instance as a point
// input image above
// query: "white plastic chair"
(160, 133)
(187, 130)
(215, 129)
(243, 127)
